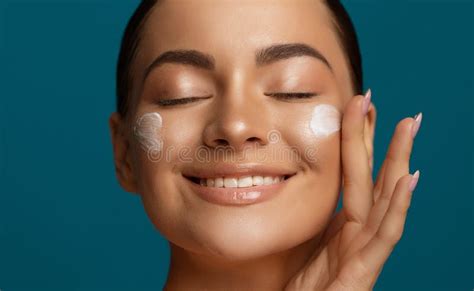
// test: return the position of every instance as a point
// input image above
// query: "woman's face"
(238, 128)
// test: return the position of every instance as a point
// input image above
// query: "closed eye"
(295, 95)
(180, 101)
(280, 95)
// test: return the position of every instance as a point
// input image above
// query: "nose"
(238, 122)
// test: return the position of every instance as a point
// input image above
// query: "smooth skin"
(362, 235)
(258, 248)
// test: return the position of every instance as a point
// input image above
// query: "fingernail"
(414, 180)
(366, 102)
(416, 125)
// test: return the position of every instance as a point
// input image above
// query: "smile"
(238, 182)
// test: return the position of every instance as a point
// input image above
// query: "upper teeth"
(246, 181)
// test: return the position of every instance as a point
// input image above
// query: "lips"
(237, 175)
(246, 181)
(237, 184)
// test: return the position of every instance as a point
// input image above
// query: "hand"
(361, 237)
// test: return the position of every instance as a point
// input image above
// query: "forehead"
(232, 31)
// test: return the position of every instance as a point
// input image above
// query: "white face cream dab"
(325, 120)
(147, 130)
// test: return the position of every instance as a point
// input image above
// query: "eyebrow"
(264, 56)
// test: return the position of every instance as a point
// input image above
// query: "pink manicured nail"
(366, 102)
(416, 125)
(414, 180)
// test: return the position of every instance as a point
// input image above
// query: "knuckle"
(400, 155)
(392, 156)
(390, 235)
(385, 198)
(357, 218)
(370, 229)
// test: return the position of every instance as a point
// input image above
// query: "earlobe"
(369, 132)
(122, 160)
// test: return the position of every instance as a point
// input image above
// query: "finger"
(398, 155)
(378, 249)
(396, 164)
(357, 197)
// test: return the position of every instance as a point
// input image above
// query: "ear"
(369, 133)
(122, 154)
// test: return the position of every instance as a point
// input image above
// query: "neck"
(192, 271)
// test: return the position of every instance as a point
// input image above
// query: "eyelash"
(296, 95)
(179, 101)
(285, 96)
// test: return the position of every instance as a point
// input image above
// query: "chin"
(238, 236)
(237, 244)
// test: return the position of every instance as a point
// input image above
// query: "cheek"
(164, 139)
(155, 145)
(147, 132)
(161, 142)
(315, 133)
(325, 120)
(163, 148)
(149, 143)
(325, 126)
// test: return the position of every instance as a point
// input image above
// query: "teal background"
(65, 224)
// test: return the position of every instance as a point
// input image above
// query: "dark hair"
(349, 42)
(128, 50)
(131, 39)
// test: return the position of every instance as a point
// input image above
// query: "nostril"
(221, 142)
(252, 139)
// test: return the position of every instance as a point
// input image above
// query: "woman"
(239, 123)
